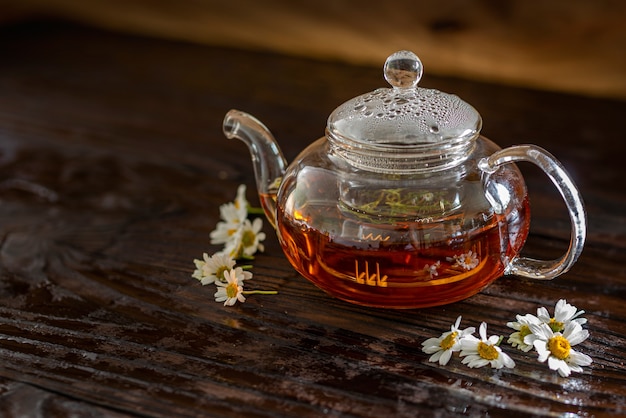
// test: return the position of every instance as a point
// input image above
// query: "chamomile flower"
(556, 347)
(450, 341)
(564, 313)
(432, 269)
(241, 203)
(241, 239)
(252, 236)
(247, 240)
(210, 269)
(480, 352)
(233, 214)
(224, 232)
(236, 211)
(522, 329)
(467, 260)
(230, 291)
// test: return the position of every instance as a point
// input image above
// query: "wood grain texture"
(567, 45)
(112, 169)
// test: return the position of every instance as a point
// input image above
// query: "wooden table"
(112, 169)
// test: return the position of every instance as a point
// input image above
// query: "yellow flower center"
(231, 290)
(487, 351)
(524, 331)
(449, 341)
(555, 325)
(248, 238)
(559, 347)
(219, 273)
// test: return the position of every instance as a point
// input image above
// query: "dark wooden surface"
(112, 169)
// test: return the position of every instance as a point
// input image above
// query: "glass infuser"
(403, 204)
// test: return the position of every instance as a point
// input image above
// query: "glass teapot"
(403, 204)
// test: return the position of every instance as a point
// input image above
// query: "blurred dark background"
(575, 46)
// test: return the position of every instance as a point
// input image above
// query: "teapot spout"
(267, 158)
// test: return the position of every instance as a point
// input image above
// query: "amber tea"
(413, 265)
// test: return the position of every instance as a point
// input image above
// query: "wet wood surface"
(112, 170)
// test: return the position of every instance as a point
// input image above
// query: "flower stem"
(260, 292)
(253, 210)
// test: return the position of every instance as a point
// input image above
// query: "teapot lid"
(404, 116)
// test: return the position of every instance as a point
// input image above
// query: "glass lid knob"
(403, 69)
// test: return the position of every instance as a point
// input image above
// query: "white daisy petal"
(563, 311)
(469, 342)
(543, 315)
(445, 357)
(575, 334)
(436, 356)
(482, 330)
(542, 350)
(541, 331)
(431, 345)
(579, 359)
(457, 323)
(494, 339)
(575, 368)
(555, 363)
(508, 361)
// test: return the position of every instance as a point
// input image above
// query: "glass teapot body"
(400, 240)
(403, 203)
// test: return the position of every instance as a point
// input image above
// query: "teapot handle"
(545, 269)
